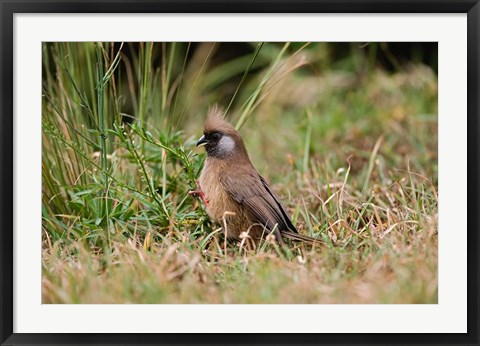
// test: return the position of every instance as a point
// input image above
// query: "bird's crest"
(216, 122)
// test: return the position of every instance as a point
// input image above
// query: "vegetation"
(350, 148)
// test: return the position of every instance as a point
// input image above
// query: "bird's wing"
(251, 190)
(288, 222)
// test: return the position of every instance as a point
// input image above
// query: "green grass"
(350, 149)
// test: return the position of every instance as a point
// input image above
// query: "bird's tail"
(301, 237)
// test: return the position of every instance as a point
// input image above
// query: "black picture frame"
(9, 8)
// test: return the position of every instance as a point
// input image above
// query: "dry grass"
(379, 252)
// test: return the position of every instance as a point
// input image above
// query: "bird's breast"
(220, 204)
(216, 196)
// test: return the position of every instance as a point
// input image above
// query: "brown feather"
(301, 237)
(232, 184)
(216, 122)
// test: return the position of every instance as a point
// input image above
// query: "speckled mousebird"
(232, 188)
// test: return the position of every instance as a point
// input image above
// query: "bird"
(234, 192)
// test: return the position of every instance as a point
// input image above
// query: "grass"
(350, 148)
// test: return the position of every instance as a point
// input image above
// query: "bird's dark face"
(217, 144)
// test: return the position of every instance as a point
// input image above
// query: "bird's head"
(220, 138)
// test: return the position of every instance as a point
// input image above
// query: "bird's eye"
(216, 136)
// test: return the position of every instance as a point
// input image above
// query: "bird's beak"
(202, 141)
